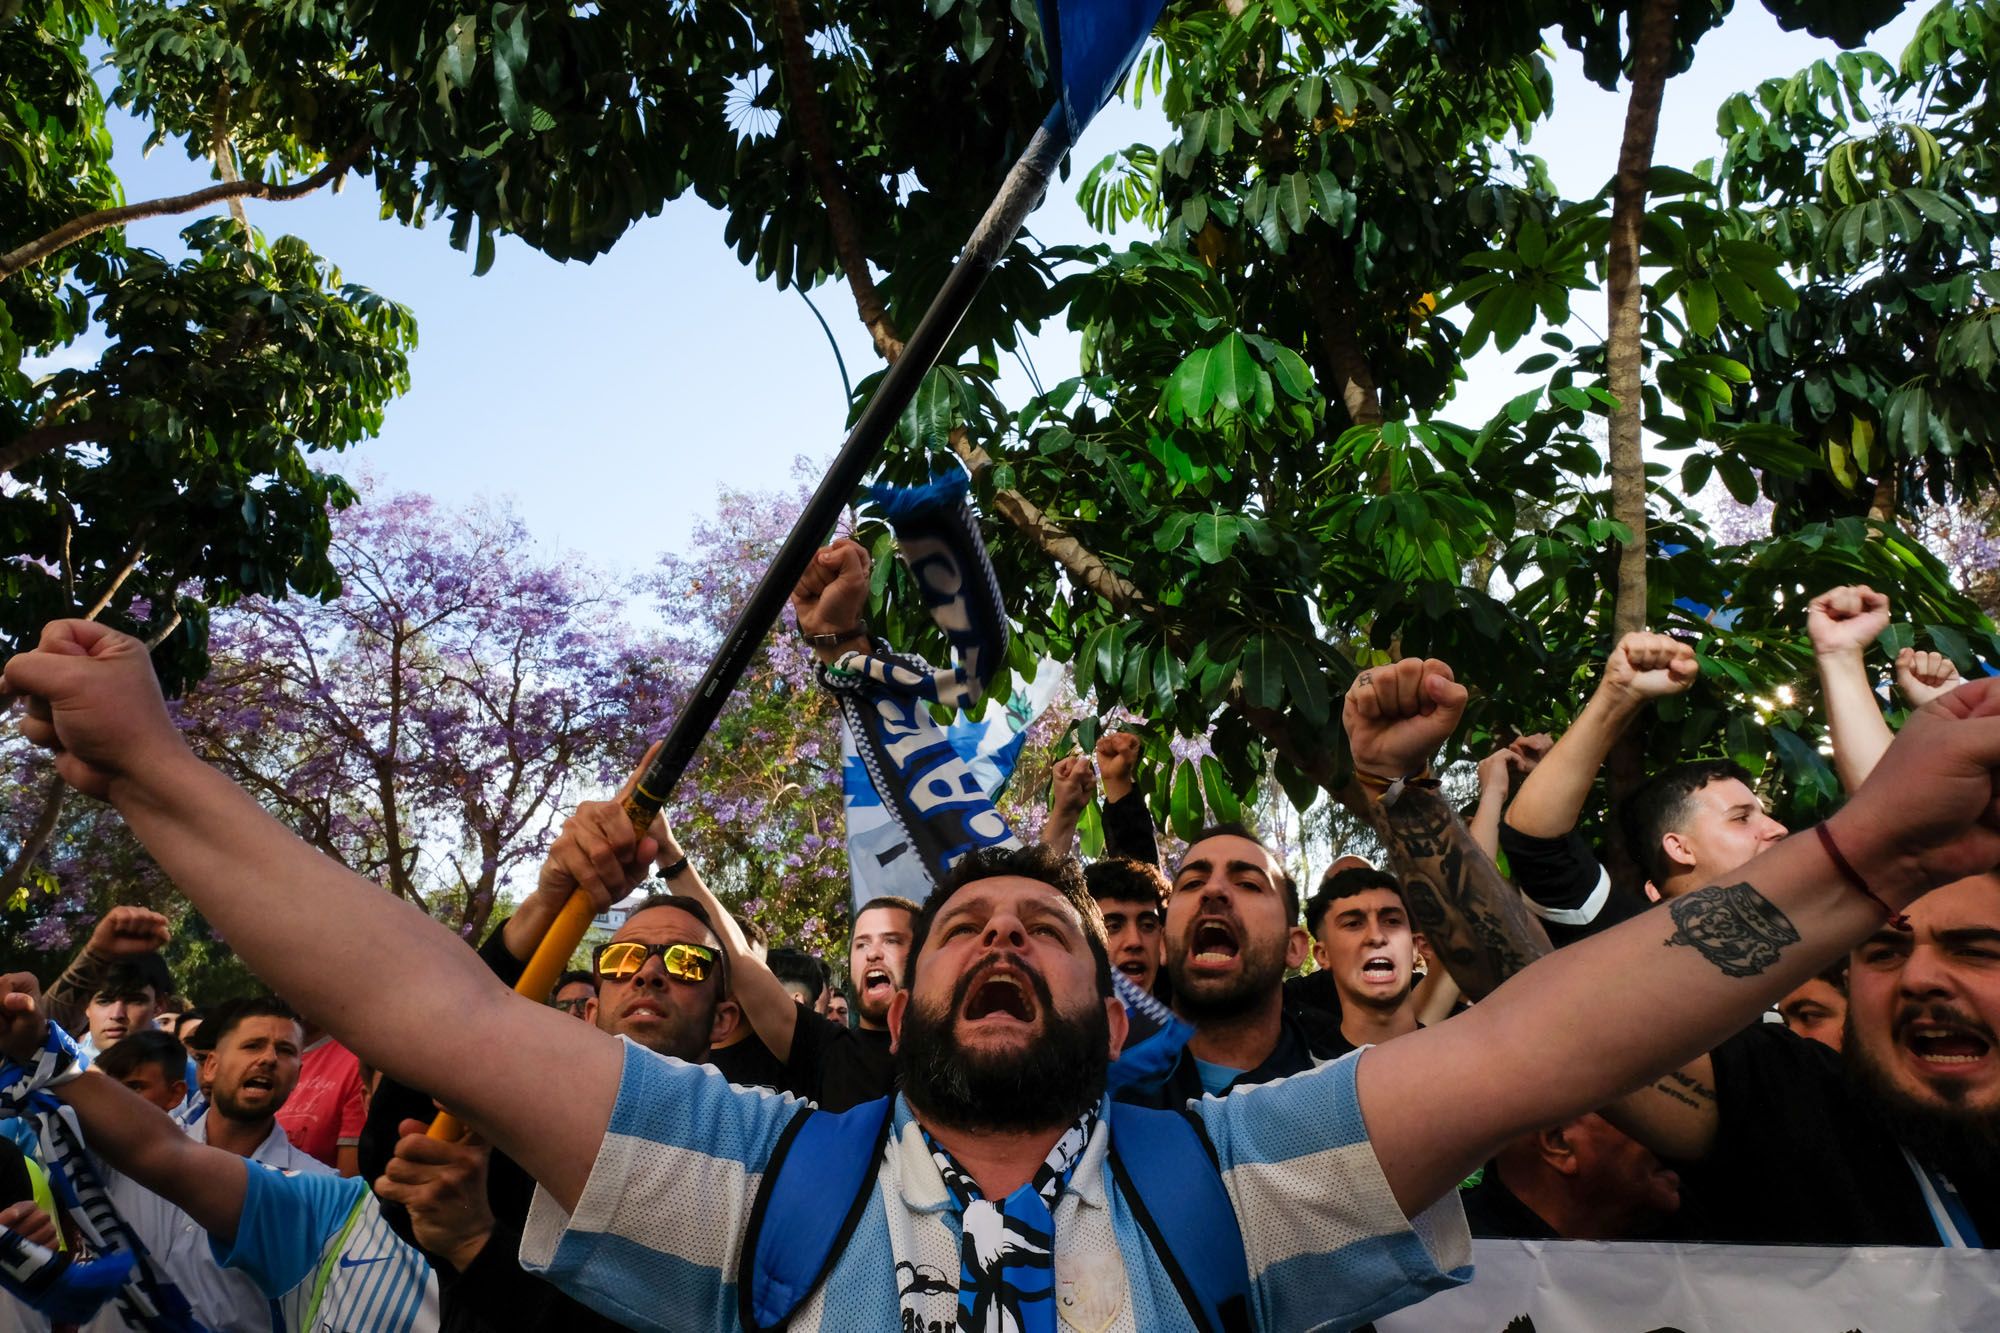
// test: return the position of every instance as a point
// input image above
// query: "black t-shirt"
(750, 1064)
(836, 1066)
(1565, 885)
(1799, 1159)
(1128, 829)
(1491, 1209)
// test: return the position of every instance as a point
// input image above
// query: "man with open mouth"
(1362, 939)
(1340, 1181)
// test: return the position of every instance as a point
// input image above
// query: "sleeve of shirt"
(1128, 829)
(286, 1223)
(1326, 1240)
(353, 1099)
(656, 1235)
(805, 1065)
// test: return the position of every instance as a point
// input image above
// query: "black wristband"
(670, 871)
(834, 640)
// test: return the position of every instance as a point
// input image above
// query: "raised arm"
(1842, 622)
(1396, 717)
(1498, 773)
(1072, 784)
(371, 969)
(122, 932)
(1642, 668)
(770, 1009)
(1128, 824)
(1923, 676)
(133, 1135)
(1604, 1015)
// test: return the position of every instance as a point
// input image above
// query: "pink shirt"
(325, 1112)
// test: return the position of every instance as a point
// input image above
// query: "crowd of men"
(1779, 1039)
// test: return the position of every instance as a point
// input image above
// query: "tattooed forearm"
(1690, 1092)
(1469, 912)
(1736, 928)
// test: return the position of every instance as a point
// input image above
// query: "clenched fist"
(1645, 666)
(1397, 716)
(1844, 621)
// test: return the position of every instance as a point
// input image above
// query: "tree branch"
(123, 572)
(33, 443)
(89, 224)
(803, 95)
(37, 840)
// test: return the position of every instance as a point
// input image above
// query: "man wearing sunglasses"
(659, 981)
(649, 1169)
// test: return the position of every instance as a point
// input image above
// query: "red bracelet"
(1898, 920)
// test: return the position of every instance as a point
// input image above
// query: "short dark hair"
(202, 1038)
(1235, 829)
(753, 931)
(1062, 873)
(1125, 879)
(885, 900)
(128, 977)
(572, 977)
(234, 1013)
(150, 1046)
(1353, 880)
(1663, 804)
(678, 901)
(796, 965)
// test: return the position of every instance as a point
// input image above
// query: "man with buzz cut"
(1336, 1185)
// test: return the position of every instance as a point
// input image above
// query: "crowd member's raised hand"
(94, 701)
(1396, 717)
(1117, 761)
(1072, 784)
(129, 932)
(443, 1184)
(1842, 622)
(1498, 772)
(22, 1023)
(830, 598)
(1646, 666)
(1923, 676)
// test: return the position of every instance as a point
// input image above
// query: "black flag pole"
(1019, 194)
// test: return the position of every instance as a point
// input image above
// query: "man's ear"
(1319, 955)
(728, 1017)
(899, 1004)
(1297, 943)
(179, 1088)
(1557, 1151)
(590, 1011)
(1119, 1022)
(1677, 850)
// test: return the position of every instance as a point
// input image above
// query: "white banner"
(1576, 1286)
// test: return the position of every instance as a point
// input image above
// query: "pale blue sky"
(609, 401)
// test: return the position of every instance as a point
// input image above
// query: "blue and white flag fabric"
(1093, 43)
(928, 793)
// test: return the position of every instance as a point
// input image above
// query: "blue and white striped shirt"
(319, 1248)
(655, 1239)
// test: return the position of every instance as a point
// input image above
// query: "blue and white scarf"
(146, 1297)
(1006, 1251)
(885, 696)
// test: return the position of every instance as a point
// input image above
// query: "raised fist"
(93, 699)
(22, 1023)
(1117, 759)
(1650, 666)
(1846, 620)
(1397, 716)
(126, 932)
(1072, 783)
(1922, 677)
(833, 593)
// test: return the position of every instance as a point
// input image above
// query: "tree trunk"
(77, 228)
(803, 97)
(1652, 52)
(1882, 508)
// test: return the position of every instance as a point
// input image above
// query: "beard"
(1944, 1130)
(1051, 1082)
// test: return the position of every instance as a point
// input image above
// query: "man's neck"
(1567, 1215)
(242, 1137)
(1365, 1024)
(1240, 1041)
(999, 1163)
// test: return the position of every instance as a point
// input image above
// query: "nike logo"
(346, 1262)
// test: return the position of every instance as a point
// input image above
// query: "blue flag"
(1093, 43)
